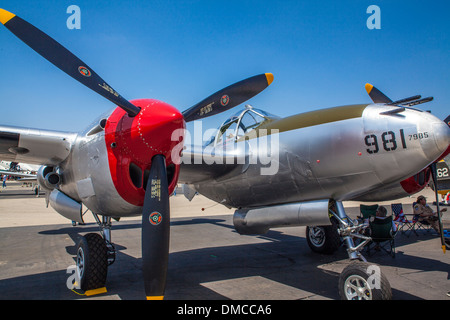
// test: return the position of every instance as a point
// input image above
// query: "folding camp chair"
(404, 225)
(368, 211)
(382, 236)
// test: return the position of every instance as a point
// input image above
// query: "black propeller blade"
(447, 121)
(63, 59)
(441, 228)
(376, 95)
(156, 230)
(229, 97)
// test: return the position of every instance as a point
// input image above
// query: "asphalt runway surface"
(208, 260)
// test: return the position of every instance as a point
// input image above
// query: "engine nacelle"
(66, 206)
(260, 220)
(48, 178)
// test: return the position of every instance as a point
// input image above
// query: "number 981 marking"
(389, 141)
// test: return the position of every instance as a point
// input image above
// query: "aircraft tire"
(323, 239)
(363, 281)
(92, 262)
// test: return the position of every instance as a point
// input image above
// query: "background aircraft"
(25, 172)
(443, 174)
(20, 167)
(125, 164)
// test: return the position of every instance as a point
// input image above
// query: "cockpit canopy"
(241, 123)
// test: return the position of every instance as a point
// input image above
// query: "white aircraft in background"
(27, 173)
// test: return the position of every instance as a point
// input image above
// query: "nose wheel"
(363, 281)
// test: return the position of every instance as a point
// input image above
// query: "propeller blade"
(156, 230)
(229, 97)
(376, 95)
(447, 121)
(63, 59)
(441, 228)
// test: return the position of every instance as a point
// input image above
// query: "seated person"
(426, 214)
(381, 214)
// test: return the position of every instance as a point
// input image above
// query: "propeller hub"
(132, 142)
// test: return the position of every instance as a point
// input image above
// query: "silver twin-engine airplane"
(293, 171)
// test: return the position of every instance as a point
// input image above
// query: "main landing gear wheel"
(92, 262)
(363, 281)
(323, 239)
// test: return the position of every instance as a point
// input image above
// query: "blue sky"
(320, 52)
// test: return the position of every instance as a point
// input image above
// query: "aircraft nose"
(442, 136)
(441, 133)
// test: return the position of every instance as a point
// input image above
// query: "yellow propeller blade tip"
(443, 248)
(369, 87)
(269, 77)
(5, 16)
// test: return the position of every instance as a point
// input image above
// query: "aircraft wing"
(18, 174)
(24, 177)
(34, 146)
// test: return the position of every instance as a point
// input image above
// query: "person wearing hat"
(426, 214)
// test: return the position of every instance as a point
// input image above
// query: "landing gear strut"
(94, 254)
(105, 230)
(360, 280)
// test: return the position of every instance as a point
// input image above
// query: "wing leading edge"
(34, 146)
(200, 164)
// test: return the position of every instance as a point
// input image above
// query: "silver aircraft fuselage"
(342, 153)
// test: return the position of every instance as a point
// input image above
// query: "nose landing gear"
(360, 280)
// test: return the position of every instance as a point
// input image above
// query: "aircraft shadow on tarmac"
(283, 258)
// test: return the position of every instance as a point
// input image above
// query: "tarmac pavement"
(208, 259)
